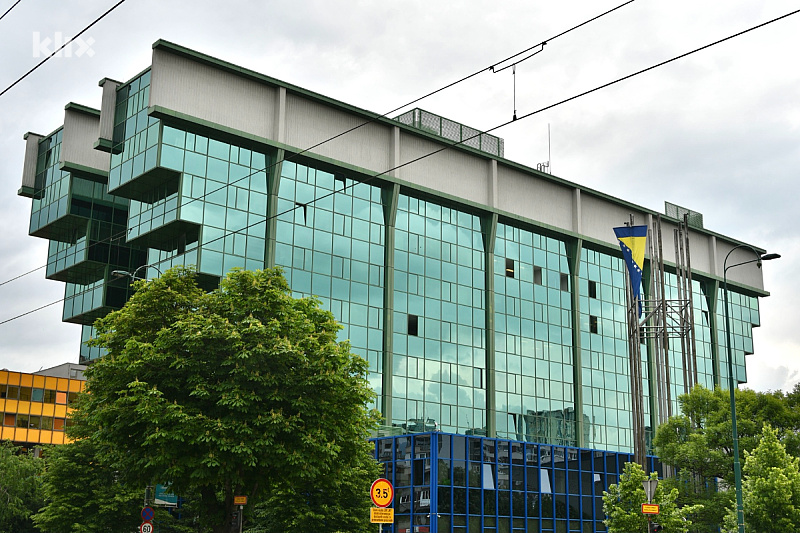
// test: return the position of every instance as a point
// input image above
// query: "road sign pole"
(241, 517)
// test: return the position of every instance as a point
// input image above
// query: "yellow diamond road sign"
(381, 515)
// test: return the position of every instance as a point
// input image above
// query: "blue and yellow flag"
(633, 240)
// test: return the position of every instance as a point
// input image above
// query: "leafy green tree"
(85, 494)
(337, 502)
(20, 488)
(699, 441)
(622, 504)
(240, 391)
(770, 489)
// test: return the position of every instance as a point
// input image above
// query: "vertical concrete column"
(389, 196)
(712, 299)
(273, 182)
(280, 114)
(574, 248)
(489, 231)
(394, 152)
(577, 216)
(492, 184)
(105, 133)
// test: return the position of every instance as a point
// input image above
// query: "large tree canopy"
(699, 440)
(241, 391)
(699, 443)
(85, 494)
(20, 488)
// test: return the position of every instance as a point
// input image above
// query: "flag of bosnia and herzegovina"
(632, 241)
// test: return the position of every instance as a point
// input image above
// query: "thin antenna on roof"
(546, 166)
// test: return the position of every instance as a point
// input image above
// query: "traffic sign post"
(381, 492)
(381, 515)
(241, 501)
(650, 488)
(649, 508)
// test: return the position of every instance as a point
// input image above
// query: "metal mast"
(667, 314)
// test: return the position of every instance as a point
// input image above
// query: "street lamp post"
(737, 467)
(125, 273)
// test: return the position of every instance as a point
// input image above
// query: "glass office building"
(487, 297)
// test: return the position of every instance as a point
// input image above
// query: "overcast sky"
(717, 132)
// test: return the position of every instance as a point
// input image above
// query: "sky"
(717, 131)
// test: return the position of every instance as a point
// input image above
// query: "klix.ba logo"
(44, 47)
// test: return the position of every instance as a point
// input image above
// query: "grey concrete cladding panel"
(253, 107)
(599, 217)
(535, 198)
(309, 123)
(107, 109)
(77, 145)
(212, 94)
(451, 171)
(748, 274)
(700, 246)
(31, 156)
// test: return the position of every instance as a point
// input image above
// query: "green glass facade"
(439, 335)
(533, 341)
(604, 343)
(473, 321)
(333, 248)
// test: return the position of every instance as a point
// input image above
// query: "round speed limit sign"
(146, 527)
(382, 492)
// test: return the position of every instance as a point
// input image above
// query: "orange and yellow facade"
(35, 408)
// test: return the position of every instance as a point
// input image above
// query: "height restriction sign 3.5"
(381, 492)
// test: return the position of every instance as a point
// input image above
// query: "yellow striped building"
(35, 407)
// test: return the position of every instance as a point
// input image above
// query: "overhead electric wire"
(43, 61)
(456, 143)
(22, 275)
(121, 234)
(9, 9)
(31, 311)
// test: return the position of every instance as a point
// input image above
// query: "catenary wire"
(31, 311)
(456, 143)
(121, 234)
(22, 275)
(43, 61)
(9, 9)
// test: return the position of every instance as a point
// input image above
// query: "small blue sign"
(148, 514)
(164, 498)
